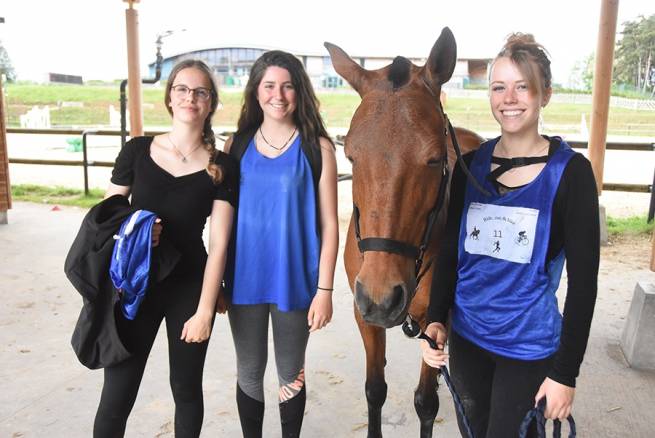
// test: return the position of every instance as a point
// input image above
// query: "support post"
(602, 85)
(133, 70)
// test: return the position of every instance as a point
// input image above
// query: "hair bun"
(520, 39)
(523, 49)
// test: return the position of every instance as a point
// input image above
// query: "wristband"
(324, 288)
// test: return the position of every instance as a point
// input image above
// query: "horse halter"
(405, 249)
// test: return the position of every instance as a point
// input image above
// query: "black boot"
(291, 414)
(251, 414)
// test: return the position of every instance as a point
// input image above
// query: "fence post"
(85, 162)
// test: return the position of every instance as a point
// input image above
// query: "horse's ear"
(441, 62)
(352, 72)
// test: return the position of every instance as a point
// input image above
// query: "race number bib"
(505, 233)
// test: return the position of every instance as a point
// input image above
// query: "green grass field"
(336, 108)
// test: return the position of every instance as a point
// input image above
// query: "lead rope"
(537, 414)
(458, 152)
(412, 330)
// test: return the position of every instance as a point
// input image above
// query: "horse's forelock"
(399, 72)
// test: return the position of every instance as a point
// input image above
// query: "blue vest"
(277, 238)
(505, 295)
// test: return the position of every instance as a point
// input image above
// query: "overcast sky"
(87, 37)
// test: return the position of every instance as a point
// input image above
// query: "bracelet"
(324, 288)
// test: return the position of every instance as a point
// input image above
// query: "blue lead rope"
(458, 402)
(412, 330)
(537, 414)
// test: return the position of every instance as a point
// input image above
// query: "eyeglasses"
(182, 91)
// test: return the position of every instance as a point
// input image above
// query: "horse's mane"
(399, 72)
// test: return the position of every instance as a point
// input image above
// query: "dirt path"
(45, 392)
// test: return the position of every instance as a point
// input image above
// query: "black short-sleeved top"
(183, 203)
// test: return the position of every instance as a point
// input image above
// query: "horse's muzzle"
(387, 313)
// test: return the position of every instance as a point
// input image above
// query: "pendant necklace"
(184, 157)
(275, 147)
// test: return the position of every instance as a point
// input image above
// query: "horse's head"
(397, 146)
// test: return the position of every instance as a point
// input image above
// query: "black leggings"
(496, 391)
(175, 299)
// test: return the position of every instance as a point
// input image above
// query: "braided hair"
(531, 58)
(208, 137)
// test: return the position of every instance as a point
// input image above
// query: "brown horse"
(401, 157)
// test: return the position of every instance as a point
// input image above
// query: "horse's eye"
(435, 162)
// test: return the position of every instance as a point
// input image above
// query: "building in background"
(232, 61)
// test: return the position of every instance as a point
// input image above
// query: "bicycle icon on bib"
(522, 239)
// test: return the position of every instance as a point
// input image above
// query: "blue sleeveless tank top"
(505, 295)
(277, 239)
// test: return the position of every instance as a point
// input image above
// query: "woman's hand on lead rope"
(197, 328)
(320, 311)
(432, 357)
(559, 399)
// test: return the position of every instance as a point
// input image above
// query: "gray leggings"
(249, 325)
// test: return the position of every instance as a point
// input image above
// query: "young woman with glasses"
(183, 178)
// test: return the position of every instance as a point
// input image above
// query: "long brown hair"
(306, 117)
(208, 136)
(531, 58)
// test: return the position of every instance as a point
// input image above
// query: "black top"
(574, 228)
(183, 203)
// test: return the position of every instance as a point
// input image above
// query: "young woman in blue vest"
(183, 178)
(286, 236)
(503, 254)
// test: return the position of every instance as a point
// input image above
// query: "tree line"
(634, 60)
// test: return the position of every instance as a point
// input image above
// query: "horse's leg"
(376, 388)
(426, 399)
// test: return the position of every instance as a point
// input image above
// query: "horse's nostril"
(397, 297)
(364, 303)
(395, 304)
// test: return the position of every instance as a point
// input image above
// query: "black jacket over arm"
(95, 340)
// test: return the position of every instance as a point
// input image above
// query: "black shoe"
(251, 414)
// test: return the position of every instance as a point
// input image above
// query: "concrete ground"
(46, 392)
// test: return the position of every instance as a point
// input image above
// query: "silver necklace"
(275, 147)
(184, 157)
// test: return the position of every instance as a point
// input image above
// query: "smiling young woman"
(503, 254)
(286, 236)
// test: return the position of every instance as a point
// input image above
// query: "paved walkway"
(46, 393)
